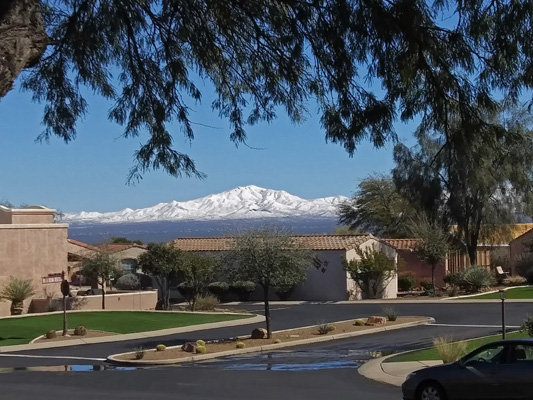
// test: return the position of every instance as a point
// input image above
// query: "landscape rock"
(259, 333)
(189, 347)
(371, 321)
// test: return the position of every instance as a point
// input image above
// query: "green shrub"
(187, 290)
(449, 351)
(426, 285)
(524, 267)
(51, 334)
(160, 347)
(325, 328)
(206, 303)
(80, 330)
(243, 289)
(201, 349)
(284, 292)
(219, 289)
(452, 291)
(475, 278)
(128, 282)
(527, 325)
(453, 278)
(240, 345)
(390, 313)
(406, 282)
(359, 322)
(200, 342)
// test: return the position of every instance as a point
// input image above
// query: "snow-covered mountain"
(244, 202)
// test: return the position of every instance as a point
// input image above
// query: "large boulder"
(259, 333)
(371, 321)
(189, 347)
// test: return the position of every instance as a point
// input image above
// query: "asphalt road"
(310, 372)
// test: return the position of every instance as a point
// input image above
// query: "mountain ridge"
(242, 202)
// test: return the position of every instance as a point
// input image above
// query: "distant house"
(409, 261)
(126, 254)
(32, 246)
(326, 281)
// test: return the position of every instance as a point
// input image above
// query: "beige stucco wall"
(30, 215)
(31, 251)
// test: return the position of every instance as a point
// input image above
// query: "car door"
(516, 377)
(480, 376)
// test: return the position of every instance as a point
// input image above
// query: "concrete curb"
(132, 336)
(268, 347)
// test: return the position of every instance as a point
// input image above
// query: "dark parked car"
(498, 370)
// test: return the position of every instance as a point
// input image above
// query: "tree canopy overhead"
(431, 59)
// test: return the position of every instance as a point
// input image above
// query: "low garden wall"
(139, 300)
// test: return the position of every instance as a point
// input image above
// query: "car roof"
(518, 340)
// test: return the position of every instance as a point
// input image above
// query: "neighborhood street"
(310, 372)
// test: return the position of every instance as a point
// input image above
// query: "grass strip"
(432, 354)
(521, 293)
(23, 330)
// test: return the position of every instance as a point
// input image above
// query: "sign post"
(65, 290)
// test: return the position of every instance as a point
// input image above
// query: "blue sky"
(90, 173)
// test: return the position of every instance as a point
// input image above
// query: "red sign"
(53, 278)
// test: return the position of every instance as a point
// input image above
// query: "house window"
(129, 265)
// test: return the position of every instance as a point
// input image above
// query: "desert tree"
(163, 263)
(269, 257)
(102, 267)
(151, 58)
(470, 178)
(372, 271)
(197, 271)
(378, 208)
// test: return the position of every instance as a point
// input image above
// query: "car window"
(493, 354)
(521, 353)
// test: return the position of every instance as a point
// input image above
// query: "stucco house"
(327, 282)
(32, 247)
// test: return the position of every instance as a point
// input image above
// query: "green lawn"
(512, 294)
(431, 353)
(23, 330)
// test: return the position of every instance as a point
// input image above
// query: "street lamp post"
(502, 298)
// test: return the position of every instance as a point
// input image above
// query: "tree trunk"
(267, 311)
(103, 294)
(22, 39)
(433, 278)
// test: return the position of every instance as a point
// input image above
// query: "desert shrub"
(514, 280)
(128, 282)
(284, 291)
(240, 345)
(201, 349)
(243, 289)
(390, 313)
(51, 334)
(277, 341)
(139, 353)
(206, 303)
(527, 325)
(475, 278)
(524, 267)
(160, 347)
(219, 289)
(453, 278)
(325, 328)
(452, 291)
(406, 282)
(449, 351)
(359, 322)
(80, 330)
(200, 342)
(426, 285)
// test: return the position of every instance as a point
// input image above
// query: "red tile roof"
(402, 244)
(116, 247)
(82, 244)
(311, 242)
